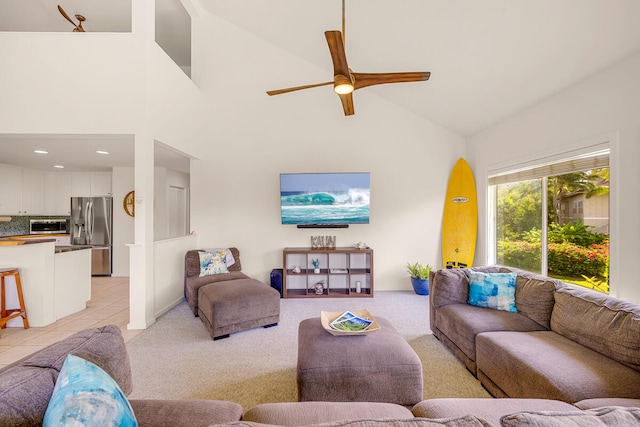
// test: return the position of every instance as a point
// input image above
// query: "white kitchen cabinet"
(101, 183)
(80, 184)
(58, 193)
(10, 190)
(33, 192)
(86, 184)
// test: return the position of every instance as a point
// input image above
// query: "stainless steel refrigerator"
(92, 224)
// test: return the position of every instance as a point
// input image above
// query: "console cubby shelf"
(343, 272)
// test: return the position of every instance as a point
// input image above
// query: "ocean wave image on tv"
(326, 208)
(325, 198)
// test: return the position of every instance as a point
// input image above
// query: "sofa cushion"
(462, 322)
(490, 410)
(463, 421)
(496, 291)
(607, 416)
(452, 288)
(27, 384)
(103, 346)
(599, 402)
(549, 366)
(194, 283)
(535, 296)
(192, 413)
(303, 413)
(25, 394)
(86, 393)
(600, 322)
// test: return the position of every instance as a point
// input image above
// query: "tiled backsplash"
(20, 224)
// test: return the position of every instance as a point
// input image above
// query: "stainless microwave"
(48, 226)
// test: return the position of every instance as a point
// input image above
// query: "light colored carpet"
(177, 359)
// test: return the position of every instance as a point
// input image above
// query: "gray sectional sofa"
(26, 386)
(564, 343)
(455, 412)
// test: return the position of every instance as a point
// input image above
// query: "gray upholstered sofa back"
(600, 322)
(26, 386)
(534, 293)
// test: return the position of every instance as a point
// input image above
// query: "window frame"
(602, 148)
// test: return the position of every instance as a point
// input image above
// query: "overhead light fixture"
(58, 166)
(102, 152)
(40, 152)
(342, 85)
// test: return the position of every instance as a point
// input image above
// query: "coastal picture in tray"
(349, 322)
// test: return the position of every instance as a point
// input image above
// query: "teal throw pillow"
(492, 290)
(213, 263)
(85, 395)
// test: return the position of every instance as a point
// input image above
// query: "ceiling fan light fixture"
(342, 85)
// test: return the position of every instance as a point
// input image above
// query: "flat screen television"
(324, 199)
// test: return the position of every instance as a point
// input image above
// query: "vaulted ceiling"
(489, 59)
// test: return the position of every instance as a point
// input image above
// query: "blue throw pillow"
(85, 395)
(492, 290)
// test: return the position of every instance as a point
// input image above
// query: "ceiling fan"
(345, 81)
(78, 27)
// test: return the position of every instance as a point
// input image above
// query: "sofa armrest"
(449, 287)
(187, 413)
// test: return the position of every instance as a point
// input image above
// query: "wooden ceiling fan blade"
(338, 56)
(293, 89)
(369, 79)
(347, 104)
(61, 10)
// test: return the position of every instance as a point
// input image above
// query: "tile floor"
(109, 304)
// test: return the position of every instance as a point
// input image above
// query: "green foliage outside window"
(574, 252)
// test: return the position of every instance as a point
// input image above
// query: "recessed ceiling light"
(102, 152)
(40, 152)
(58, 166)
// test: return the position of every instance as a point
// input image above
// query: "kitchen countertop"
(19, 241)
(69, 248)
(16, 241)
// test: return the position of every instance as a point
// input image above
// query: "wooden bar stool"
(7, 314)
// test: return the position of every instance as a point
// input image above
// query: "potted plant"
(419, 277)
(316, 265)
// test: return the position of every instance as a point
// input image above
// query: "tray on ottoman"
(327, 317)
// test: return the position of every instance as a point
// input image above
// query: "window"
(577, 207)
(553, 219)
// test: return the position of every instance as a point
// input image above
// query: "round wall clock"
(128, 203)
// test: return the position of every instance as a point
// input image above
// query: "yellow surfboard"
(460, 218)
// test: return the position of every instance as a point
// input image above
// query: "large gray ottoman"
(378, 367)
(237, 305)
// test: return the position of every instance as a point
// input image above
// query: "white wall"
(168, 264)
(59, 83)
(165, 178)
(251, 138)
(603, 106)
